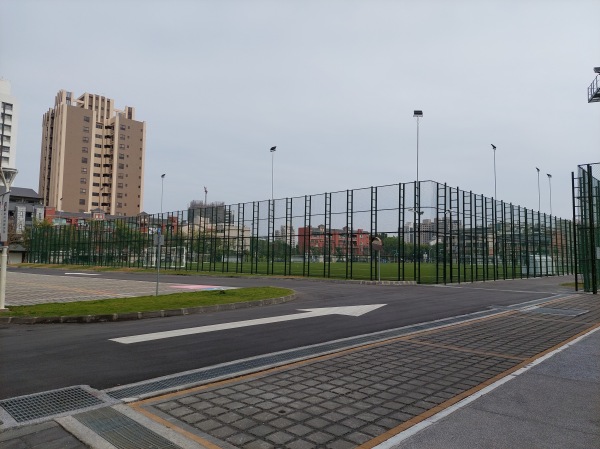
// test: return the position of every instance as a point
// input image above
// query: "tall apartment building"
(8, 125)
(92, 156)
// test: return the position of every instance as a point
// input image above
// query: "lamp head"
(163, 175)
(272, 150)
(418, 113)
(493, 146)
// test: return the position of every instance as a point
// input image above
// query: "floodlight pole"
(417, 247)
(418, 114)
(162, 189)
(495, 192)
(272, 150)
(539, 197)
(550, 184)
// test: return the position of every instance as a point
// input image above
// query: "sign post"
(377, 245)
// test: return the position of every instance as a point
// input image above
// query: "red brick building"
(316, 239)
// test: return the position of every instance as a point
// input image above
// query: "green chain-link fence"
(431, 233)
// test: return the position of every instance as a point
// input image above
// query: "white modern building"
(8, 125)
(8, 143)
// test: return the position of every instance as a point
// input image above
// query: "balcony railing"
(594, 90)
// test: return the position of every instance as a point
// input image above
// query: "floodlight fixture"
(596, 69)
(418, 113)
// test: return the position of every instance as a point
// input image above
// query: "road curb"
(82, 319)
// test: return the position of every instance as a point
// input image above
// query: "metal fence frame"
(432, 233)
(586, 216)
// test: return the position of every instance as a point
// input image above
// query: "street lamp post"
(495, 193)
(539, 197)
(550, 184)
(272, 150)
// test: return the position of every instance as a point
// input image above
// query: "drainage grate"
(49, 403)
(562, 312)
(227, 370)
(122, 431)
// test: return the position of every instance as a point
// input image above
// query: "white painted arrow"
(309, 313)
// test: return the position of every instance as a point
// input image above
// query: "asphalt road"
(42, 357)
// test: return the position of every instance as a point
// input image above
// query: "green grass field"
(430, 273)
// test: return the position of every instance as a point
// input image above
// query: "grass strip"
(148, 303)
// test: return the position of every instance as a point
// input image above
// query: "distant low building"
(24, 207)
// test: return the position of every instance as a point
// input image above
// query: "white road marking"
(82, 274)
(309, 313)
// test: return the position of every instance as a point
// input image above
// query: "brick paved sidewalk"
(363, 396)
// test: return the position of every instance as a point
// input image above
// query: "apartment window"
(121, 166)
(96, 184)
(98, 136)
(122, 136)
(97, 155)
(84, 160)
(86, 118)
(121, 156)
(86, 139)
(120, 185)
(95, 194)
(94, 203)
(99, 126)
(120, 175)
(96, 175)
(97, 165)
(119, 204)
(119, 195)
(7, 128)
(82, 180)
(98, 145)
(82, 190)
(82, 201)
(84, 149)
(121, 146)
(122, 127)
(84, 170)
(86, 129)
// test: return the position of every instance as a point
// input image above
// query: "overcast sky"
(333, 84)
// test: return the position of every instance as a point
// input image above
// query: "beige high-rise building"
(92, 156)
